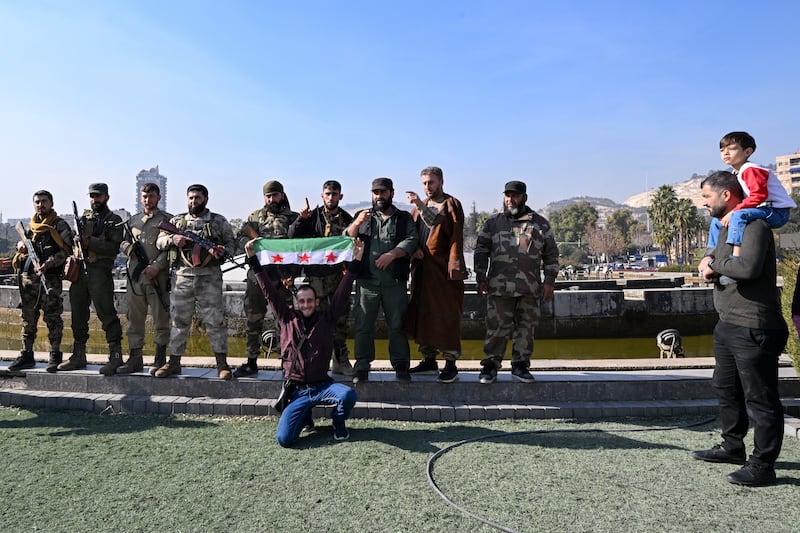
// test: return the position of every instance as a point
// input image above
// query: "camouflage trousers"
(202, 294)
(513, 317)
(36, 302)
(97, 289)
(141, 296)
(325, 286)
(258, 317)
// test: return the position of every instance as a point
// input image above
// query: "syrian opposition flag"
(315, 251)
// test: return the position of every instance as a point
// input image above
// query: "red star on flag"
(305, 258)
(331, 257)
(277, 258)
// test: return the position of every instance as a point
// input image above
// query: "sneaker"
(488, 374)
(449, 374)
(23, 362)
(340, 430)
(718, 454)
(426, 366)
(360, 376)
(753, 475)
(522, 374)
(309, 427)
(245, 370)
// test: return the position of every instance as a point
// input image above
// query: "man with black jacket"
(390, 238)
(748, 339)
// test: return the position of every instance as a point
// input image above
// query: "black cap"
(382, 184)
(98, 188)
(516, 187)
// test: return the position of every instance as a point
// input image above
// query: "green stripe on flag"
(315, 251)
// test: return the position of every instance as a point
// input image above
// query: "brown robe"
(434, 313)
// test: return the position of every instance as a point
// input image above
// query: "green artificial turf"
(73, 471)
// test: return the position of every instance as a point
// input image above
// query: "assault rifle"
(142, 261)
(198, 240)
(33, 258)
(79, 239)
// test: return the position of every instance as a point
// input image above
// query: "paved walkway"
(609, 388)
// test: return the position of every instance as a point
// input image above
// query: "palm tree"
(662, 213)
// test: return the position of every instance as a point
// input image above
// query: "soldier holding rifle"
(97, 240)
(198, 243)
(148, 281)
(39, 262)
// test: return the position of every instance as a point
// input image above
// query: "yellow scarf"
(41, 226)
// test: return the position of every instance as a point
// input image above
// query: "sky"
(576, 98)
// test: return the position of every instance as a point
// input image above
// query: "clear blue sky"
(577, 98)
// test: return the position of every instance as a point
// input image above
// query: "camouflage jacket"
(270, 225)
(513, 251)
(210, 225)
(49, 251)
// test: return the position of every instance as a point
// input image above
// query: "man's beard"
(275, 208)
(99, 206)
(514, 212)
(198, 209)
(718, 212)
(381, 204)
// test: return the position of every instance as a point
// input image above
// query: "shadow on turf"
(429, 441)
(72, 423)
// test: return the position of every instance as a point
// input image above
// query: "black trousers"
(746, 377)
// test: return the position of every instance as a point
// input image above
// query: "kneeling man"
(307, 344)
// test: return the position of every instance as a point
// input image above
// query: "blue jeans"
(776, 217)
(297, 413)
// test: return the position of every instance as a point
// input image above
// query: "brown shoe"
(76, 361)
(173, 368)
(114, 362)
(135, 363)
(223, 370)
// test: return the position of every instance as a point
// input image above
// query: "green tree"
(620, 223)
(570, 223)
(688, 224)
(662, 212)
(793, 225)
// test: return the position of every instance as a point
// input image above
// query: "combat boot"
(160, 359)
(76, 361)
(170, 369)
(340, 363)
(114, 361)
(223, 370)
(23, 362)
(55, 359)
(133, 364)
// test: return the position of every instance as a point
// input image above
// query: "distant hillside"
(637, 203)
(685, 189)
(604, 206)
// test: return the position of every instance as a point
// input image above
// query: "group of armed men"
(174, 270)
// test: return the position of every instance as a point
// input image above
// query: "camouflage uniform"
(104, 231)
(269, 226)
(52, 252)
(198, 288)
(142, 291)
(516, 248)
(324, 278)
